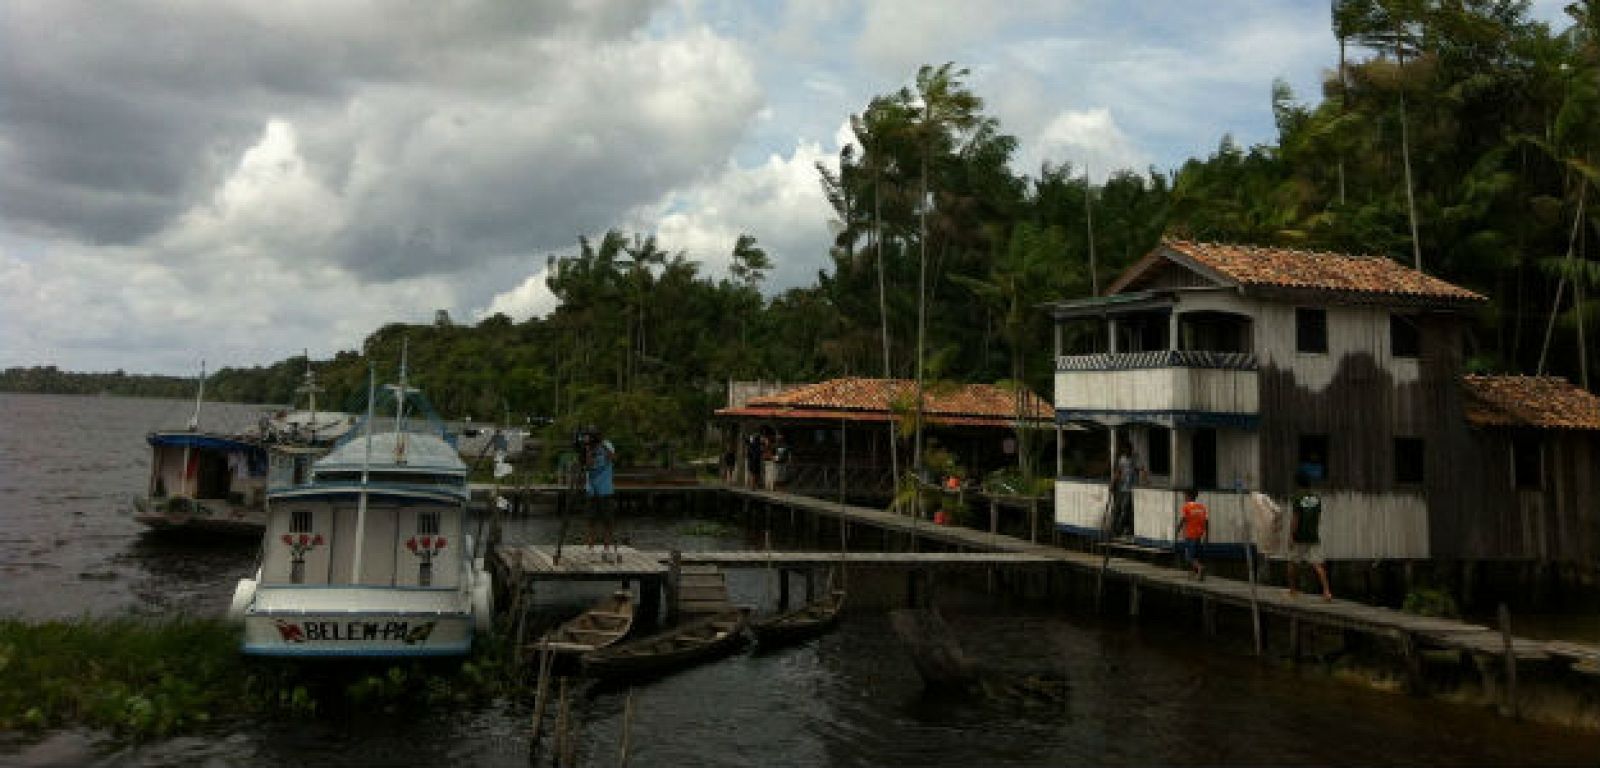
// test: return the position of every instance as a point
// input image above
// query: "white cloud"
(1088, 137)
(779, 202)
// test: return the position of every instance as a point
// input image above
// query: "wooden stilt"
(1510, 705)
(1133, 596)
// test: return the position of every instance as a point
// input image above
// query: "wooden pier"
(1409, 633)
(920, 548)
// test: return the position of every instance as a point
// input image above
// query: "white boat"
(214, 482)
(371, 556)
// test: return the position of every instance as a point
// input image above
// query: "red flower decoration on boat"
(425, 546)
(303, 543)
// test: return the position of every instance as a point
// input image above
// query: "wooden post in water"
(1133, 596)
(1255, 607)
(674, 579)
(1510, 705)
(627, 730)
(541, 695)
(1033, 520)
(994, 516)
(561, 726)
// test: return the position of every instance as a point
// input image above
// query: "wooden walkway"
(1405, 628)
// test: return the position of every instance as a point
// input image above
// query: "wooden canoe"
(599, 627)
(811, 619)
(699, 640)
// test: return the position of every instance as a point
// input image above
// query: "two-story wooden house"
(1232, 369)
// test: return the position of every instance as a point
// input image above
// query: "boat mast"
(310, 389)
(199, 396)
(400, 393)
(194, 424)
(366, 467)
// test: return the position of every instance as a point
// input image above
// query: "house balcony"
(1175, 388)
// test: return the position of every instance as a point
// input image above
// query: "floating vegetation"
(709, 528)
(142, 679)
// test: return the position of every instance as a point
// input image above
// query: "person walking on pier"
(1305, 538)
(1196, 523)
(599, 462)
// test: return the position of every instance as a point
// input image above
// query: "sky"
(236, 181)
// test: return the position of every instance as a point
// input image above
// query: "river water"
(1139, 694)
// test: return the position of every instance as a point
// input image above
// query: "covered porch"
(1171, 379)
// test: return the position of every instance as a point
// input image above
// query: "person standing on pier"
(1122, 479)
(1196, 523)
(752, 460)
(599, 461)
(1305, 538)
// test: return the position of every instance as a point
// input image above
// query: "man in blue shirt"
(599, 461)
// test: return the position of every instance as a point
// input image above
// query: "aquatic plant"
(141, 679)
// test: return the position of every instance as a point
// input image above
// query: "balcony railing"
(1185, 388)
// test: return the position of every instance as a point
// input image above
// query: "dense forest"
(1453, 135)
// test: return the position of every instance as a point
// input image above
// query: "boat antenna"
(199, 395)
(366, 471)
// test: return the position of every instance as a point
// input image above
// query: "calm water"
(1139, 695)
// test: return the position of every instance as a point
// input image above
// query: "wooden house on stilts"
(1232, 368)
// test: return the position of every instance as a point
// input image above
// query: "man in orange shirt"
(1196, 519)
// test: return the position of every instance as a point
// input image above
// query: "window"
(1311, 330)
(425, 573)
(1405, 339)
(1313, 458)
(1160, 439)
(1527, 461)
(1408, 461)
(428, 523)
(300, 521)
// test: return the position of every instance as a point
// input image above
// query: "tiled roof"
(1546, 402)
(869, 400)
(1267, 267)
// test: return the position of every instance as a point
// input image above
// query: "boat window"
(300, 521)
(428, 523)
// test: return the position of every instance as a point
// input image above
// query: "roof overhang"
(1106, 306)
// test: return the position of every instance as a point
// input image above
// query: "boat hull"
(700, 641)
(357, 633)
(203, 517)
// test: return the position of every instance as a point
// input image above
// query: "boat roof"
(202, 440)
(424, 452)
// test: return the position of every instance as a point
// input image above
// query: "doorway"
(1203, 451)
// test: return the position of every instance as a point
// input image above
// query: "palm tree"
(945, 114)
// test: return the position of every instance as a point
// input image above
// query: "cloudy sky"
(236, 180)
